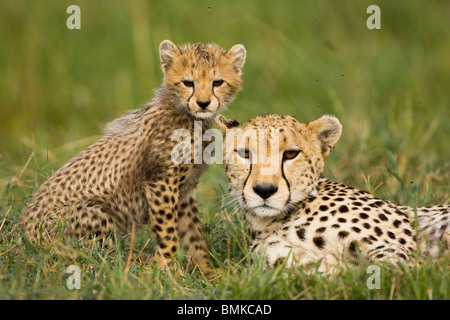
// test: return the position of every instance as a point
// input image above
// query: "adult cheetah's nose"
(265, 190)
(203, 104)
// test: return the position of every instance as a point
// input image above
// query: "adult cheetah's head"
(204, 79)
(275, 162)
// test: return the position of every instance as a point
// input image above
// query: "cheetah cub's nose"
(265, 190)
(203, 104)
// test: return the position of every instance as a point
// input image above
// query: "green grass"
(388, 87)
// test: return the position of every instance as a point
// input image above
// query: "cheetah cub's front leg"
(171, 218)
(189, 232)
(163, 218)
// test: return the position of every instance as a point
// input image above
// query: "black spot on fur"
(408, 232)
(229, 123)
(321, 230)
(319, 242)
(301, 234)
(357, 230)
(401, 255)
(170, 230)
(397, 223)
(378, 231)
(353, 248)
(162, 245)
(343, 234)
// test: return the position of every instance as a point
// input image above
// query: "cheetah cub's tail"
(434, 228)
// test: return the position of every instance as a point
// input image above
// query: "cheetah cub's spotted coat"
(297, 215)
(128, 177)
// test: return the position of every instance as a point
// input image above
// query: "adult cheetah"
(128, 178)
(274, 166)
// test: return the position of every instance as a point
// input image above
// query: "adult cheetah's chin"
(266, 211)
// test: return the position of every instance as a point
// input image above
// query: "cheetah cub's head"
(275, 162)
(204, 79)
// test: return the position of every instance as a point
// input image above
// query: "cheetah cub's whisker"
(128, 177)
(301, 218)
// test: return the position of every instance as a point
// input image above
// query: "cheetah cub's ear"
(167, 52)
(328, 129)
(237, 53)
(224, 124)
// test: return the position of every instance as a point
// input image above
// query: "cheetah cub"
(274, 165)
(128, 177)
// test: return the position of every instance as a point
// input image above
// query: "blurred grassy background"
(389, 87)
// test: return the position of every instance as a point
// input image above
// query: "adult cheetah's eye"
(290, 154)
(217, 83)
(243, 153)
(188, 83)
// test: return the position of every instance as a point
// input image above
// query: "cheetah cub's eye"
(243, 153)
(217, 83)
(290, 154)
(188, 83)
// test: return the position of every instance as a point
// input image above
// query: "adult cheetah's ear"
(224, 123)
(167, 51)
(237, 53)
(328, 129)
